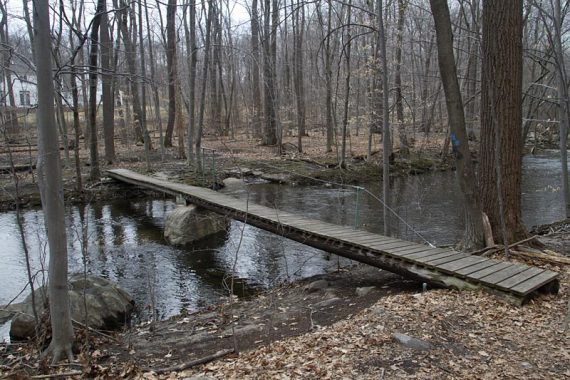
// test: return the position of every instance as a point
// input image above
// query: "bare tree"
(553, 25)
(347, 51)
(473, 233)
(107, 90)
(404, 147)
(204, 80)
(298, 31)
(51, 190)
(387, 142)
(192, 69)
(6, 56)
(256, 57)
(170, 63)
(94, 173)
(270, 21)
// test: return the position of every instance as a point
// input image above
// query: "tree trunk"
(192, 64)
(170, 57)
(51, 191)
(404, 147)
(563, 106)
(347, 48)
(6, 70)
(158, 119)
(255, 69)
(269, 68)
(299, 78)
(501, 110)
(144, 127)
(203, 89)
(427, 115)
(473, 236)
(472, 69)
(130, 53)
(94, 173)
(386, 142)
(328, 79)
(107, 89)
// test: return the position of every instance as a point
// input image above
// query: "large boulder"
(188, 224)
(94, 301)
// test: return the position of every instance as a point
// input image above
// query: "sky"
(240, 14)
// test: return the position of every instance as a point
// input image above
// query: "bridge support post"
(357, 210)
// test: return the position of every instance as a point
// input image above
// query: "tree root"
(58, 352)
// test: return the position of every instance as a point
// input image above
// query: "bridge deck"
(443, 266)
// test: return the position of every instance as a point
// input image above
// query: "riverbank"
(232, 158)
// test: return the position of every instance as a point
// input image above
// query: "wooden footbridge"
(443, 267)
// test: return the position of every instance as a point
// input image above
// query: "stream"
(122, 240)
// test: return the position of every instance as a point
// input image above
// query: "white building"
(23, 81)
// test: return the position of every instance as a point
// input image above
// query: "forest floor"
(340, 325)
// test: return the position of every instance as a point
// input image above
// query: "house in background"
(22, 78)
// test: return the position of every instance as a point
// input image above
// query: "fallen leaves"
(475, 335)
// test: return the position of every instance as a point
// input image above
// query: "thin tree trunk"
(473, 236)
(94, 173)
(328, 79)
(256, 57)
(158, 118)
(269, 68)
(192, 65)
(130, 53)
(347, 47)
(299, 78)
(404, 147)
(107, 88)
(6, 70)
(143, 82)
(170, 57)
(203, 89)
(51, 191)
(386, 143)
(563, 98)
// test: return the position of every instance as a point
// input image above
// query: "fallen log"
(192, 363)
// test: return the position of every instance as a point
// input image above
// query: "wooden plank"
(521, 277)
(376, 241)
(348, 233)
(334, 229)
(427, 252)
(534, 283)
(460, 264)
(487, 271)
(431, 255)
(444, 260)
(329, 233)
(477, 267)
(402, 251)
(409, 250)
(503, 274)
(369, 239)
(388, 245)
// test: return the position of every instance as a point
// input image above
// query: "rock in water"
(105, 306)
(233, 184)
(185, 225)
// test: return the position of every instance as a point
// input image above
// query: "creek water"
(123, 240)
